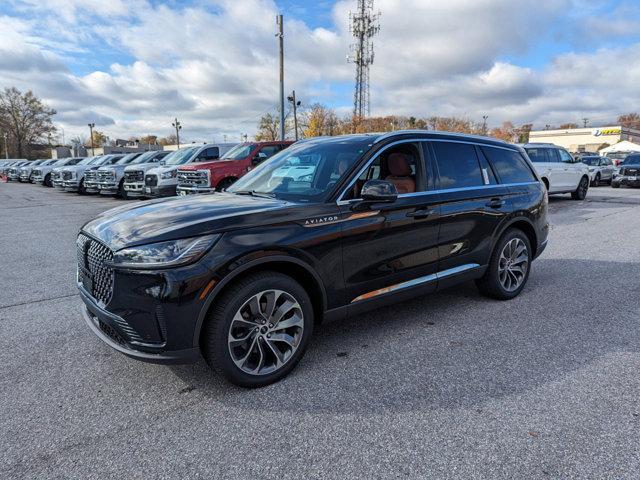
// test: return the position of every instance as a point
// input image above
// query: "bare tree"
(26, 120)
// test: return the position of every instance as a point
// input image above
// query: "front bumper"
(134, 189)
(160, 191)
(71, 185)
(24, 178)
(91, 187)
(182, 190)
(13, 177)
(629, 181)
(108, 188)
(57, 183)
(111, 329)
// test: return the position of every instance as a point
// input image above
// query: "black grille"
(111, 333)
(631, 171)
(90, 175)
(66, 175)
(151, 180)
(105, 176)
(134, 176)
(55, 175)
(92, 256)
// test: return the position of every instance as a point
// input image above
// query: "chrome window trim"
(340, 200)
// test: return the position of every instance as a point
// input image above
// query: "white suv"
(559, 171)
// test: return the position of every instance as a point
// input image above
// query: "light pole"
(6, 150)
(91, 125)
(280, 36)
(296, 104)
(484, 124)
(178, 126)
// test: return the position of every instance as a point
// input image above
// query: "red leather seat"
(400, 173)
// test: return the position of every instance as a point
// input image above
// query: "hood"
(206, 165)
(183, 217)
(163, 168)
(631, 165)
(142, 166)
(115, 168)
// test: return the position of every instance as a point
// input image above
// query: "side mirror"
(377, 191)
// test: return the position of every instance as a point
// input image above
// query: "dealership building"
(586, 139)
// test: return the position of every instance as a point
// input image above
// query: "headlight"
(164, 254)
(169, 174)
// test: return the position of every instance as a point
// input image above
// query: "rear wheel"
(509, 266)
(259, 329)
(580, 193)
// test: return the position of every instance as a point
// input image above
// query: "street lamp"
(178, 126)
(296, 104)
(6, 150)
(91, 126)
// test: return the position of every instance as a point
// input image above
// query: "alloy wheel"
(513, 264)
(265, 332)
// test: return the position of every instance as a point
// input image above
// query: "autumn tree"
(630, 120)
(319, 120)
(504, 132)
(99, 139)
(269, 128)
(25, 119)
(168, 140)
(568, 126)
(149, 139)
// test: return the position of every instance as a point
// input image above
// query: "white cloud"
(214, 65)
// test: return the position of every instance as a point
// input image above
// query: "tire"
(225, 183)
(493, 283)
(229, 322)
(47, 181)
(81, 189)
(596, 181)
(580, 193)
(122, 193)
(615, 185)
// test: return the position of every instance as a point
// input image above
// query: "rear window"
(542, 155)
(458, 165)
(509, 165)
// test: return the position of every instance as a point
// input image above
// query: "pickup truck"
(219, 174)
(77, 178)
(162, 181)
(111, 178)
(134, 174)
(42, 173)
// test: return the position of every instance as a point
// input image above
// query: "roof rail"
(384, 136)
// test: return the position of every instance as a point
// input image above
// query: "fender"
(243, 268)
(508, 223)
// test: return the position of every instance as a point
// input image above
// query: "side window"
(509, 165)
(565, 156)
(399, 165)
(539, 155)
(270, 150)
(458, 165)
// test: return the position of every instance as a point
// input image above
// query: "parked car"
(629, 172)
(81, 178)
(8, 163)
(601, 169)
(617, 157)
(218, 174)
(111, 177)
(134, 174)
(162, 181)
(24, 172)
(42, 173)
(13, 172)
(243, 276)
(559, 171)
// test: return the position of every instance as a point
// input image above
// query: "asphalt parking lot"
(451, 385)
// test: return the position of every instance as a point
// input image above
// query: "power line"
(364, 25)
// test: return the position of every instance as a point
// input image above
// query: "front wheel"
(508, 269)
(122, 193)
(580, 193)
(258, 330)
(47, 181)
(615, 185)
(596, 181)
(224, 184)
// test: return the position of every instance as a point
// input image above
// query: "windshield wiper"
(253, 193)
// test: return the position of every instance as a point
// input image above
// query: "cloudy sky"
(131, 66)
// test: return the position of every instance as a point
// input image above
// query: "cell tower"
(363, 25)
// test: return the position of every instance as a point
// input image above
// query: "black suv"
(327, 228)
(628, 173)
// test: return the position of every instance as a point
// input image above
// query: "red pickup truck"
(216, 175)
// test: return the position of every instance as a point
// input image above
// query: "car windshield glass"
(127, 159)
(617, 155)
(539, 155)
(144, 158)
(632, 160)
(239, 151)
(304, 172)
(87, 160)
(180, 156)
(593, 161)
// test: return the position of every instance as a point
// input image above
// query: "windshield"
(179, 156)
(127, 159)
(617, 155)
(632, 160)
(144, 158)
(592, 161)
(87, 161)
(239, 151)
(304, 172)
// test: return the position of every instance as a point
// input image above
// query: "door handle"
(495, 203)
(422, 213)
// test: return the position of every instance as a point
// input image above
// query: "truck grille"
(37, 172)
(190, 178)
(134, 176)
(54, 175)
(91, 256)
(105, 176)
(90, 176)
(151, 180)
(630, 171)
(66, 175)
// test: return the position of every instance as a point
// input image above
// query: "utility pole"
(296, 104)
(91, 125)
(364, 25)
(484, 124)
(585, 122)
(178, 126)
(6, 150)
(280, 36)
